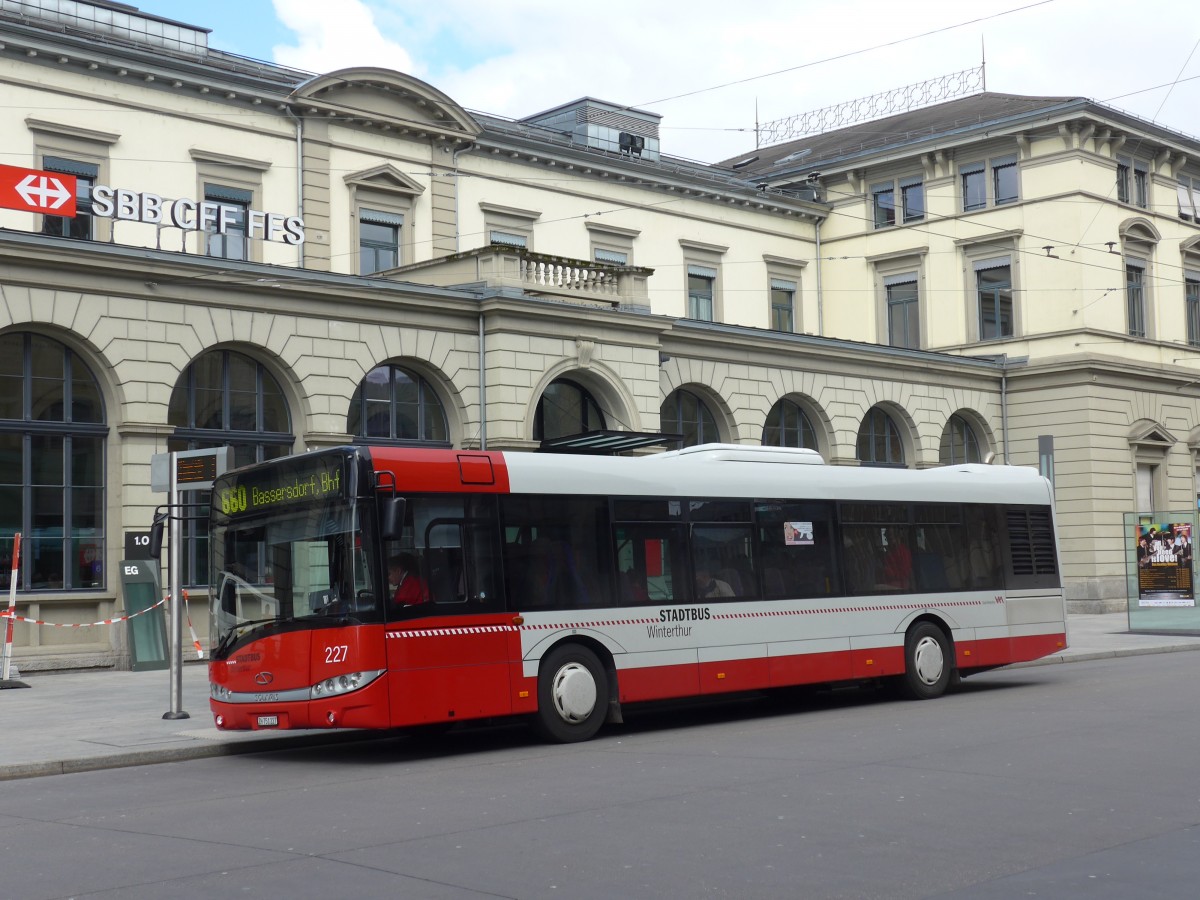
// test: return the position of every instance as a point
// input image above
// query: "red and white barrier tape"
(6, 652)
(9, 615)
(195, 640)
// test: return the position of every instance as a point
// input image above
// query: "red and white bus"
(382, 587)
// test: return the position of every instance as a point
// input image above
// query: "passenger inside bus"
(633, 588)
(897, 560)
(405, 580)
(708, 587)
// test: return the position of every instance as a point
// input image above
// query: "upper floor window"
(1135, 298)
(783, 305)
(394, 404)
(507, 238)
(1004, 179)
(1191, 304)
(1188, 191)
(788, 426)
(993, 285)
(1133, 181)
(883, 197)
(1141, 183)
(52, 464)
(378, 241)
(912, 201)
(978, 189)
(612, 257)
(701, 292)
(912, 198)
(903, 311)
(974, 186)
(226, 235)
(85, 174)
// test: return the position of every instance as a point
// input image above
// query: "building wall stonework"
(139, 303)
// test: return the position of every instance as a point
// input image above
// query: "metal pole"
(174, 576)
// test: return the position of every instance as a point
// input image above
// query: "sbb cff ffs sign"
(32, 190)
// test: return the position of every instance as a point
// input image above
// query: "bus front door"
(449, 657)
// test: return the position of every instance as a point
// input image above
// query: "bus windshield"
(297, 569)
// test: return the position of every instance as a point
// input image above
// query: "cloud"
(337, 36)
(520, 57)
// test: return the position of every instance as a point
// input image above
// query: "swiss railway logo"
(33, 190)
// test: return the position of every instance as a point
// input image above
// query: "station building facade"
(280, 261)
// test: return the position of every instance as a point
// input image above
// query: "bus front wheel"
(928, 662)
(572, 694)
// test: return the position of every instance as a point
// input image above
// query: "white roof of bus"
(727, 470)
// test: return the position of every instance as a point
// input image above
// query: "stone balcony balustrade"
(536, 274)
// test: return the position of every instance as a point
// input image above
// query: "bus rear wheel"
(928, 662)
(572, 694)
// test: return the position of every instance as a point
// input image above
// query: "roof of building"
(912, 128)
(964, 113)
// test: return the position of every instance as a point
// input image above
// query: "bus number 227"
(336, 654)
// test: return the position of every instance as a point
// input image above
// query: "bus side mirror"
(156, 537)
(391, 518)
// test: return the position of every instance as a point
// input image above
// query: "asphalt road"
(1054, 781)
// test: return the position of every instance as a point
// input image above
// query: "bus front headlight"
(343, 684)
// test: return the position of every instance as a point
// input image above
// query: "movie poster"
(1164, 564)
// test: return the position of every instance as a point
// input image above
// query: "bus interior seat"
(774, 583)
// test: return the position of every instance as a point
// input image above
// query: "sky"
(713, 76)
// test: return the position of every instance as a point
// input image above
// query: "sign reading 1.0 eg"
(53, 194)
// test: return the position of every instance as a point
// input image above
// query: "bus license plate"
(264, 721)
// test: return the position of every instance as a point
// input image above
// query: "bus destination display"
(274, 489)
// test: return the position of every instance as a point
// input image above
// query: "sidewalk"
(80, 721)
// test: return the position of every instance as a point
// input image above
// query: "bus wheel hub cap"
(929, 660)
(574, 692)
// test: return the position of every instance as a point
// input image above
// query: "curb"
(19, 771)
(1084, 656)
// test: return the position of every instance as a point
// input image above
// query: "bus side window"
(796, 549)
(940, 556)
(556, 551)
(652, 563)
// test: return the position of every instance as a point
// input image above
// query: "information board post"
(174, 568)
(185, 471)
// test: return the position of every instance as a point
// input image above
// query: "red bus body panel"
(448, 669)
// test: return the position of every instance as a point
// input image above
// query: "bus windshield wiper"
(239, 629)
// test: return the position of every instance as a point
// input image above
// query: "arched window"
(879, 440)
(687, 414)
(788, 426)
(565, 408)
(52, 440)
(959, 444)
(225, 398)
(396, 405)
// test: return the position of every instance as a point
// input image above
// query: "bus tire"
(572, 694)
(928, 662)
